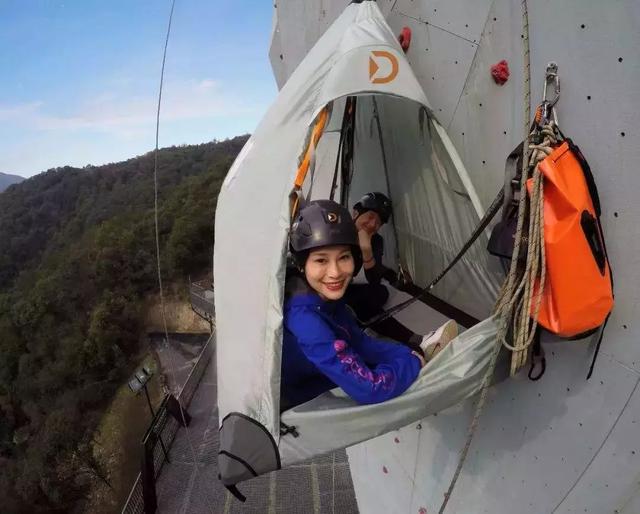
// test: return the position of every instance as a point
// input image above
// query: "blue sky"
(80, 77)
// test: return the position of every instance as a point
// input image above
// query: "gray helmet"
(323, 223)
(376, 202)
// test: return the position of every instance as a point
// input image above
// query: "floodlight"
(135, 385)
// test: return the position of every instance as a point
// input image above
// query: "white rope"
(511, 279)
(172, 366)
(523, 304)
(155, 180)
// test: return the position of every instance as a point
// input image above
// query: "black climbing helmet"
(323, 223)
(376, 202)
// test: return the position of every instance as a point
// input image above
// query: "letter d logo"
(374, 66)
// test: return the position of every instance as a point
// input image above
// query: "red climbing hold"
(422, 510)
(384, 469)
(500, 72)
(396, 439)
(405, 38)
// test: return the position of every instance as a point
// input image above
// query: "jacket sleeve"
(345, 367)
(375, 350)
(379, 271)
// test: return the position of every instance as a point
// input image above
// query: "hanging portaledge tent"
(398, 147)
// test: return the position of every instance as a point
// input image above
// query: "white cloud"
(18, 111)
(116, 124)
(113, 111)
(208, 84)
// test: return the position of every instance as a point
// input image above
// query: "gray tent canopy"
(435, 210)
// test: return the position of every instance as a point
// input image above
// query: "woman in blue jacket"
(323, 347)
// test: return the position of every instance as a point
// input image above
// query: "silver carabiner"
(551, 77)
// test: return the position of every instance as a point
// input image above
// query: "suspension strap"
(308, 159)
(235, 492)
(309, 155)
(482, 225)
(537, 355)
(288, 429)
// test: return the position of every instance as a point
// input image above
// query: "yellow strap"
(294, 203)
(318, 129)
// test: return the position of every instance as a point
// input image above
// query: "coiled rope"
(520, 301)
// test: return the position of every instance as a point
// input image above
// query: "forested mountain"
(77, 255)
(7, 179)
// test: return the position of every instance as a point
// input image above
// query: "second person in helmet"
(367, 300)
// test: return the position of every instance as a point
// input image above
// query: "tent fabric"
(333, 420)
(248, 450)
(252, 212)
(435, 210)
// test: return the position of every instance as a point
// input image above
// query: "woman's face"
(369, 221)
(329, 270)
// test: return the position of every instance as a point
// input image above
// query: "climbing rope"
(155, 184)
(515, 302)
(505, 301)
(172, 365)
(522, 304)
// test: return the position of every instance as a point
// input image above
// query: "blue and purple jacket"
(323, 347)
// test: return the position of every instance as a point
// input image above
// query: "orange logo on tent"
(374, 66)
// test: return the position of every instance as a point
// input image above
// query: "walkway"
(322, 486)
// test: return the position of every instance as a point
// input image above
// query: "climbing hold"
(500, 72)
(384, 469)
(396, 439)
(422, 510)
(405, 38)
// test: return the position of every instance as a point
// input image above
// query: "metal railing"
(164, 427)
(202, 301)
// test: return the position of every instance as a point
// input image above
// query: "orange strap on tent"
(294, 203)
(318, 129)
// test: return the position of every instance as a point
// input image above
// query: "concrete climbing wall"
(561, 445)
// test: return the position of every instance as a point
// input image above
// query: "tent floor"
(418, 317)
(320, 486)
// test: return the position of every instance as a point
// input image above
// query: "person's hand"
(364, 239)
(423, 362)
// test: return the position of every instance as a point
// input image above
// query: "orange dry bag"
(578, 293)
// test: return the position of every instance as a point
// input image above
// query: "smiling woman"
(329, 270)
(323, 347)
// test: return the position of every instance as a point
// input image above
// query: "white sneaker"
(434, 342)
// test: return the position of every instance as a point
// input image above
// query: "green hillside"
(6, 179)
(77, 257)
